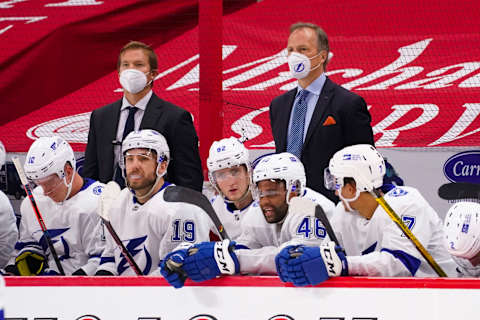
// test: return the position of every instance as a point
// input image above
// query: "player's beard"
(143, 186)
(279, 214)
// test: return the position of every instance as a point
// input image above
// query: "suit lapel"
(284, 118)
(110, 135)
(320, 109)
(153, 111)
(112, 126)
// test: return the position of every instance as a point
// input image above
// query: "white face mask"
(300, 65)
(133, 80)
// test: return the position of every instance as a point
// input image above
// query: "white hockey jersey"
(2, 298)
(74, 226)
(230, 217)
(265, 240)
(8, 230)
(377, 247)
(151, 230)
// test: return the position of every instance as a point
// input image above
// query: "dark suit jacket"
(322, 141)
(173, 122)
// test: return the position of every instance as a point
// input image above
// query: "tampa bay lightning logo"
(56, 235)
(132, 247)
(299, 67)
(98, 190)
(397, 192)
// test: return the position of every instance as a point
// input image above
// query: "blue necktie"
(295, 138)
(129, 127)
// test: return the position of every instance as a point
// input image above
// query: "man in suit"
(319, 117)
(140, 108)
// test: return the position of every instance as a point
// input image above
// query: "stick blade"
(301, 205)
(19, 168)
(183, 194)
(459, 191)
(107, 198)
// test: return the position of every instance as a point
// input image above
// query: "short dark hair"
(322, 38)
(152, 56)
(349, 181)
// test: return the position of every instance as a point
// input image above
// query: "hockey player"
(229, 171)
(2, 298)
(68, 205)
(462, 232)
(374, 245)
(8, 227)
(268, 226)
(147, 224)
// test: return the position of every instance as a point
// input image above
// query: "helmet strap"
(69, 186)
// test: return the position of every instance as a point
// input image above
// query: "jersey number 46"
(311, 226)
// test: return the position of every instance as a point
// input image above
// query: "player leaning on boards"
(462, 236)
(374, 245)
(147, 224)
(229, 171)
(271, 223)
(68, 204)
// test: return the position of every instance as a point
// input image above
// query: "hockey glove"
(211, 260)
(171, 265)
(31, 261)
(311, 265)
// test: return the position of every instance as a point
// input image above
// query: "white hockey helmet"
(47, 156)
(146, 139)
(282, 166)
(3, 154)
(462, 229)
(362, 162)
(227, 153)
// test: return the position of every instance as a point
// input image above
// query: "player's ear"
(68, 169)
(154, 73)
(162, 166)
(296, 187)
(294, 190)
(350, 189)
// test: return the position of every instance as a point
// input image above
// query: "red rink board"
(246, 281)
(419, 75)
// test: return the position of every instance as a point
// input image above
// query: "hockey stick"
(459, 191)
(302, 205)
(394, 216)
(28, 190)
(182, 194)
(107, 197)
